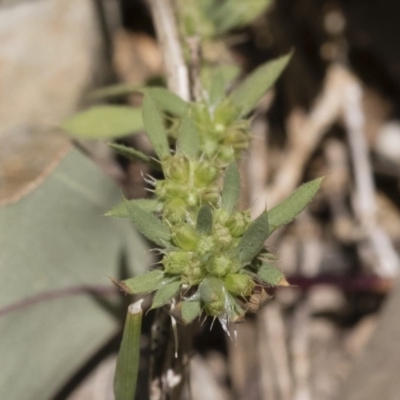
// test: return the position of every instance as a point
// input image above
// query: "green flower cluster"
(213, 256)
(223, 135)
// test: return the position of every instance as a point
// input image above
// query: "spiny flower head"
(214, 262)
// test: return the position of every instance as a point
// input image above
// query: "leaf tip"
(120, 285)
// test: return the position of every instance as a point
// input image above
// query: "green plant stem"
(126, 373)
(163, 360)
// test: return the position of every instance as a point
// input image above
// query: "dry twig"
(167, 35)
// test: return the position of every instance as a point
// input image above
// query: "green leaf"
(121, 210)
(205, 220)
(237, 13)
(288, 209)
(129, 152)
(154, 124)
(253, 239)
(250, 91)
(165, 293)
(231, 189)
(145, 283)
(216, 81)
(211, 288)
(118, 90)
(167, 101)
(190, 310)
(127, 369)
(188, 138)
(148, 224)
(57, 308)
(272, 275)
(104, 122)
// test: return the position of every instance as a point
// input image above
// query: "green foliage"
(231, 189)
(271, 275)
(104, 122)
(250, 91)
(144, 283)
(207, 244)
(57, 306)
(188, 138)
(155, 129)
(121, 89)
(205, 220)
(127, 369)
(209, 18)
(287, 210)
(190, 310)
(148, 225)
(167, 101)
(165, 293)
(237, 13)
(129, 152)
(121, 210)
(216, 81)
(253, 239)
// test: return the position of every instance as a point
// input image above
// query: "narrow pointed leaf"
(145, 283)
(231, 189)
(216, 81)
(167, 100)
(205, 220)
(129, 152)
(118, 90)
(250, 91)
(253, 239)
(188, 138)
(288, 209)
(272, 275)
(121, 210)
(154, 124)
(236, 13)
(148, 225)
(165, 293)
(190, 310)
(127, 368)
(104, 122)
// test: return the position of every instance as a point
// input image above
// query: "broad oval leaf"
(288, 209)
(53, 264)
(188, 138)
(121, 210)
(253, 239)
(148, 224)
(129, 152)
(190, 310)
(231, 189)
(250, 91)
(145, 283)
(127, 368)
(104, 122)
(155, 129)
(165, 293)
(205, 220)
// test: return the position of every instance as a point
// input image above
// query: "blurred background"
(335, 112)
